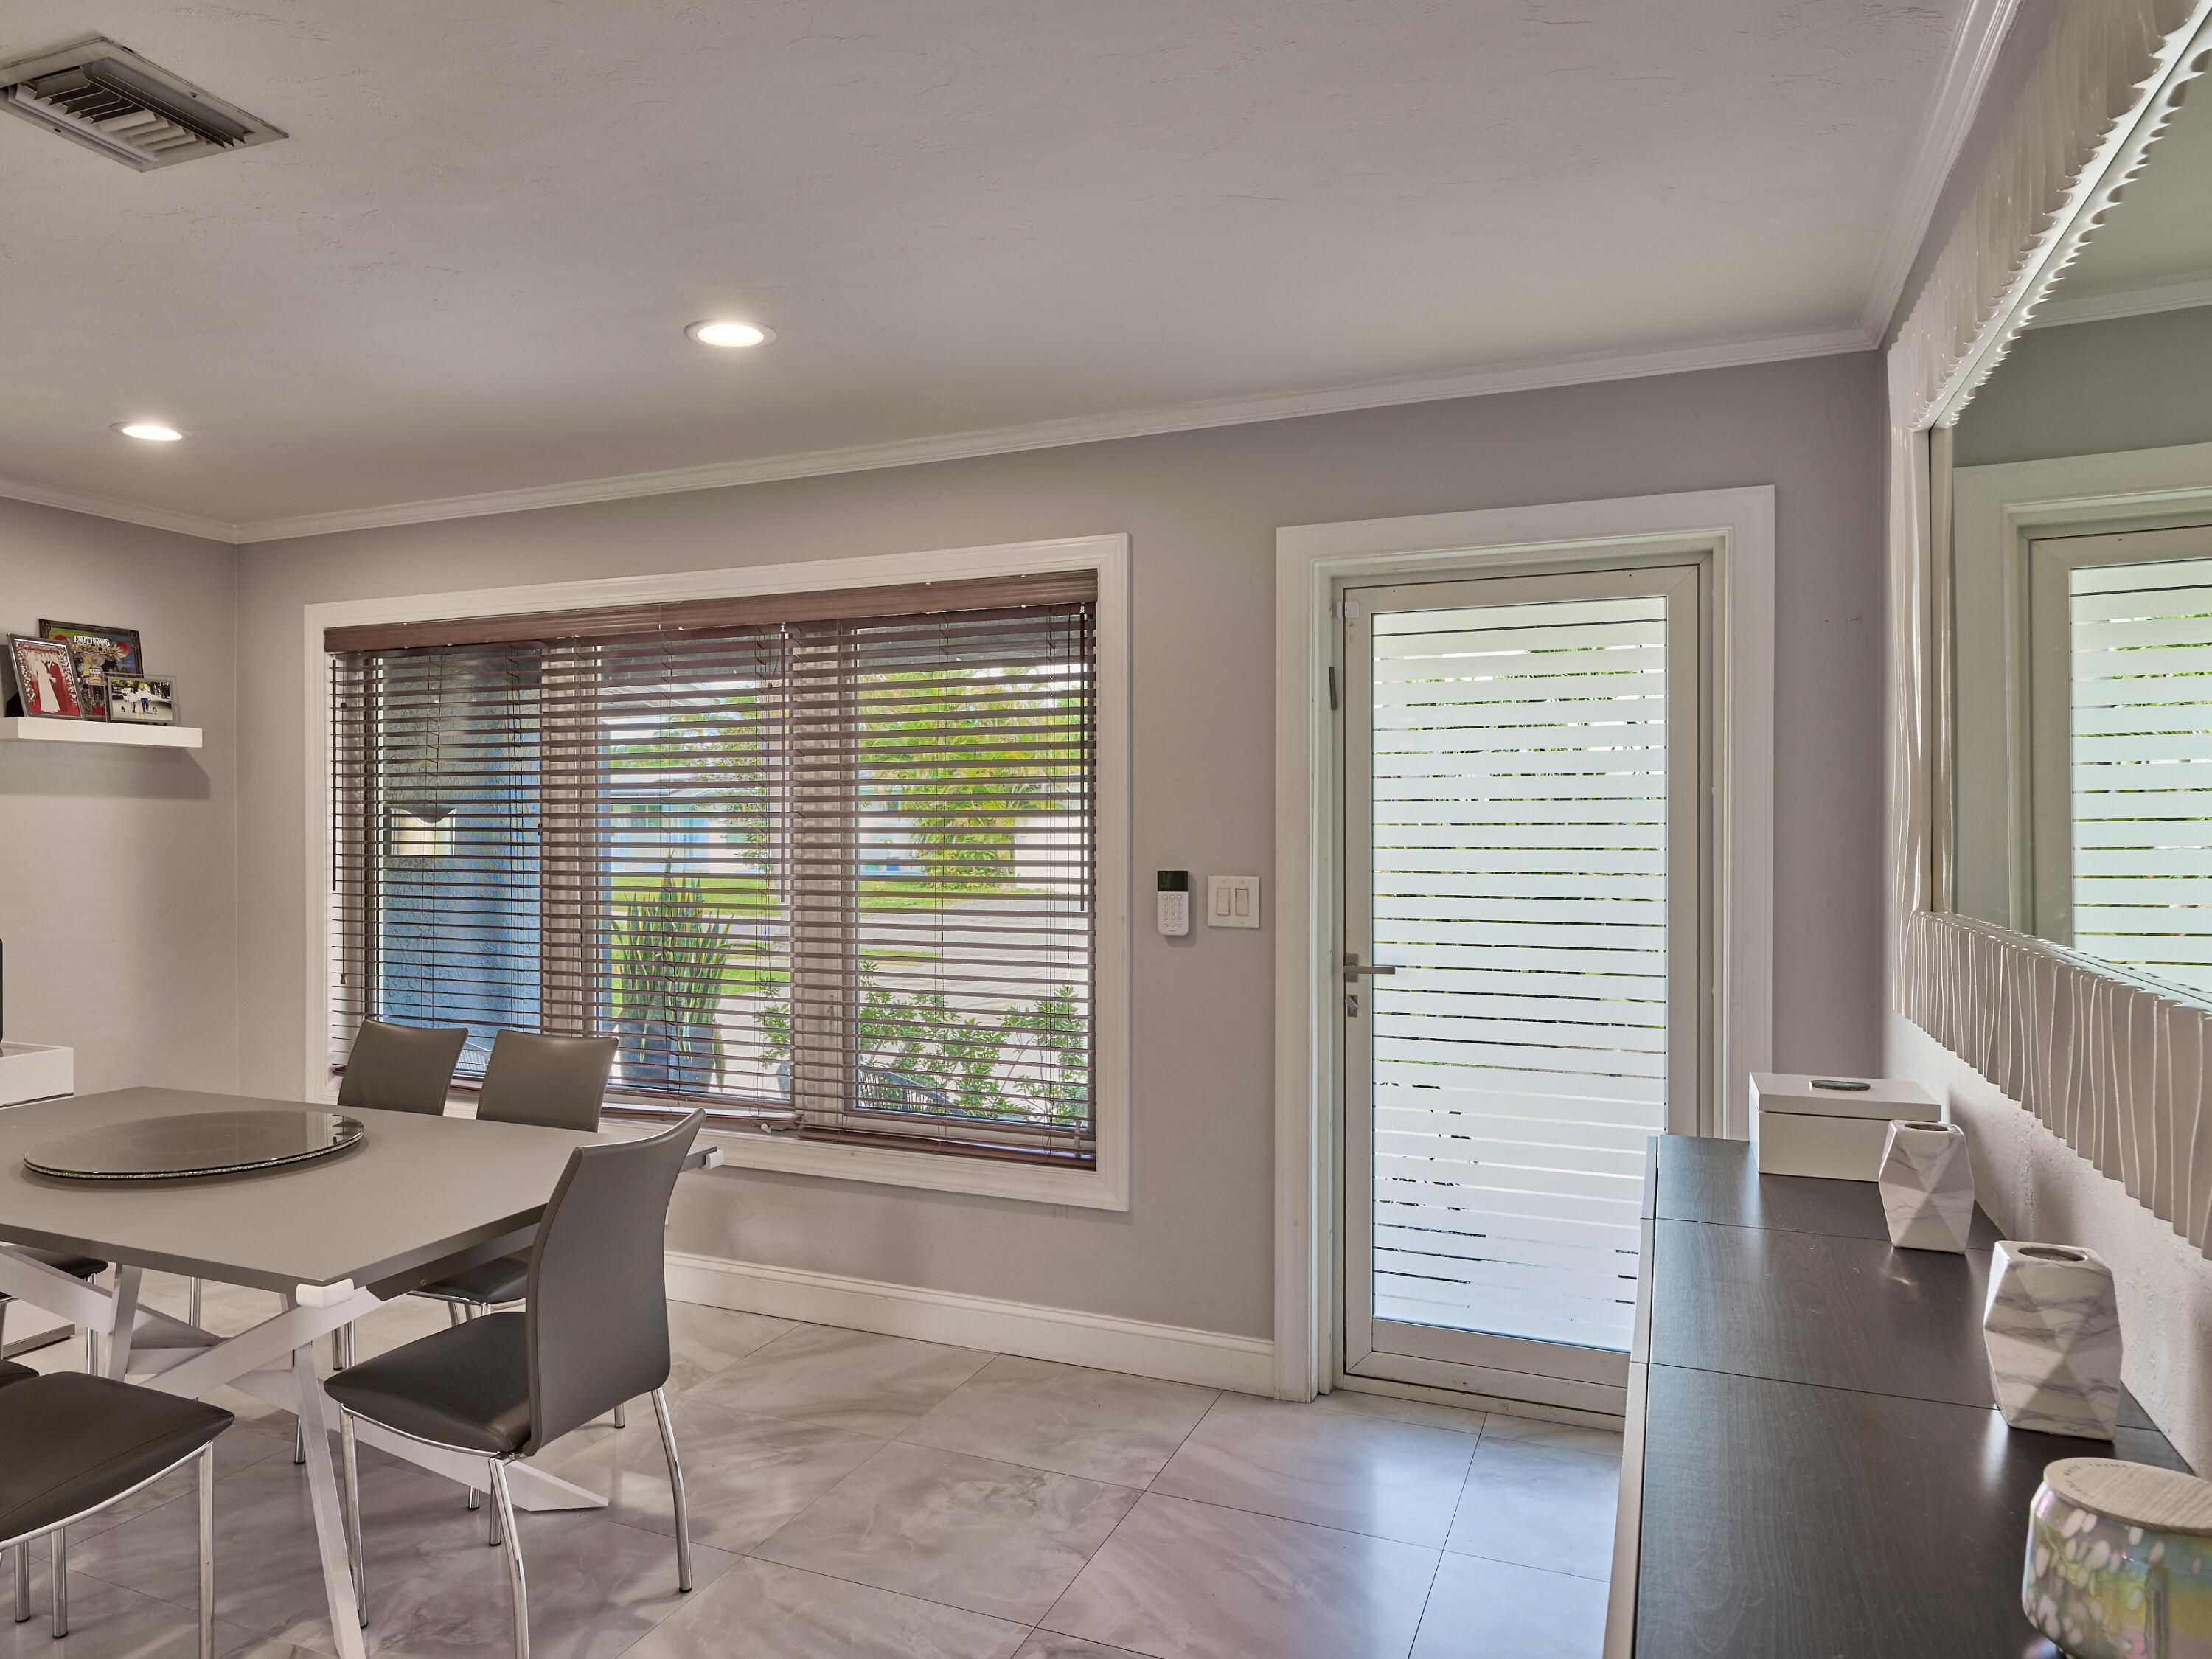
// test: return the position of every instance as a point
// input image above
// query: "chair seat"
(76, 1267)
(503, 1279)
(11, 1372)
(467, 1386)
(75, 1442)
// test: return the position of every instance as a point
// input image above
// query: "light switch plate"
(1232, 901)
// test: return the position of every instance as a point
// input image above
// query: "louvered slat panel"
(1519, 788)
(840, 868)
(2141, 666)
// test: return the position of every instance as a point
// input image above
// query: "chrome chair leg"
(206, 1548)
(458, 1315)
(676, 1488)
(193, 1302)
(299, 1444)
(622, 1420)
(504, 1515)
(355, 1549)
(58, 1541)
(493, 1536)
(23, 1582)
(91, 1366)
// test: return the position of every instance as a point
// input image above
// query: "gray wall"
(2035, 1186)
(117, 889)
(1201, 509)
(2093, 389)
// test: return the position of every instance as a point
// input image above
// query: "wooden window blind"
(818, 862)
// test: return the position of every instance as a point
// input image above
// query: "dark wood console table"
(1814, 1467)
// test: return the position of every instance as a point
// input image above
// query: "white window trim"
(1106, 1187)
(1313, 561)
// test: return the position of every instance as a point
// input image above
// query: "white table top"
(418, 1191)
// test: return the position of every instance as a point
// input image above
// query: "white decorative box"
(1839, 1134)
(32, 1071)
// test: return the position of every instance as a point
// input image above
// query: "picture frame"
(141, 700)
(97, 652)
(46, 685)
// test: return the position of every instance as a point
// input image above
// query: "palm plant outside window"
(823, 861)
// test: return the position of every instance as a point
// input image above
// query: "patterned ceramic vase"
(2052, 1328)
(1927, 1186)
(2120, 1561)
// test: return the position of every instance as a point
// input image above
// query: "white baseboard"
(1176, 1353)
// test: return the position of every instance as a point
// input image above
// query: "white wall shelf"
(141, 737)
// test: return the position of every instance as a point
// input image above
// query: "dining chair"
(594, 1332)
(401, 1068)
(76, 1267)
(556, 1082)
(390, 1068)
(76, 1444)
(11, 1372)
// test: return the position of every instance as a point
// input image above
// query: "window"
(2120, 690)
(826, 861)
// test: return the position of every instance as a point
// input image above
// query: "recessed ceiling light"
(727, 333)
(148, 430)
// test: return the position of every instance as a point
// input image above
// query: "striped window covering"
(820, 861)
(2140, 673)
(1519, 850)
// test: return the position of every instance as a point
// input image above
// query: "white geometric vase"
(2052, 1327)
(1927, 1186)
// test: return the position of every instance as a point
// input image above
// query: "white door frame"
(1312, 562)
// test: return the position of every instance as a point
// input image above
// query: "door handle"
(1353, 970)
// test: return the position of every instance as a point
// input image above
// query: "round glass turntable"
(194, 1144)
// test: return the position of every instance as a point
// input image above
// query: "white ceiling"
(468, 268)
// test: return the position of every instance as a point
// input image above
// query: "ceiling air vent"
(109, 99)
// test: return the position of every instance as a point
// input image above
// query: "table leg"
(323, 1498)
(126, 1320)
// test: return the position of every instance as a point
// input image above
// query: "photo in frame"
(97, 652)
(135, 700)
(46, 685)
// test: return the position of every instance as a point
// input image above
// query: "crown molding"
(1050, 435)
(1958, 96)
(2182, 294)
(998, 441)
(102, 507)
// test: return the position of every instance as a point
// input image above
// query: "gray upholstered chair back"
(556, 1082)
(401, 1068)
(597, 1330)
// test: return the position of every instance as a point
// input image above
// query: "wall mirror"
(2075, 486)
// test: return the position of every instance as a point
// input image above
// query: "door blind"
(2141, 677)
(1519, 885)
(832, 870)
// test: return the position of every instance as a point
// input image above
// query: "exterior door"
(1524, 933)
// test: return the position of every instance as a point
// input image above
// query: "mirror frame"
(2118, 1068)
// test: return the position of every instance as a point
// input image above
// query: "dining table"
(413, 1198)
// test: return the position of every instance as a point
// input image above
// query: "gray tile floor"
(882, 1498)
